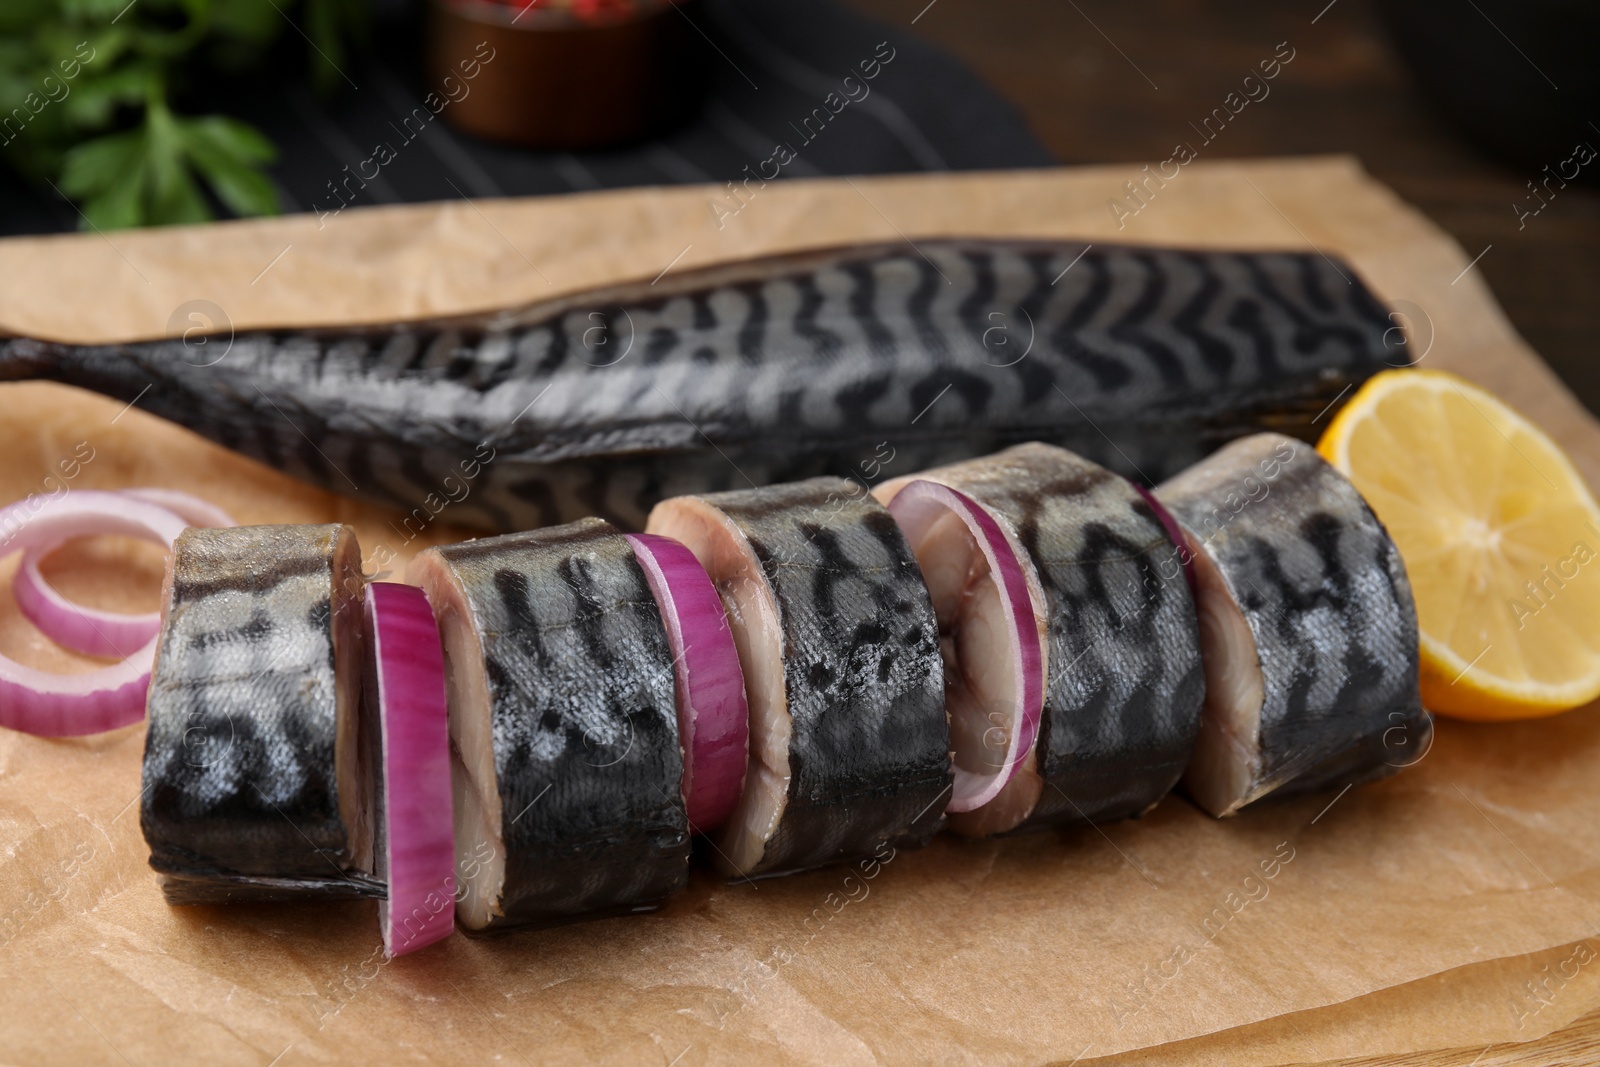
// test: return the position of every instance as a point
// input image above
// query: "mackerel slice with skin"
(1308, 624)
(607, 401)
(1123, 676)
(849, 745)
(254, 788)
(565, 758)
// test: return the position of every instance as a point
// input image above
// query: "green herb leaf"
(19, 16)
(86, 89)
(253, 21)
(172, 196)
(105, 173)
(94, 166)
(95, 99)
(230, 137)
(117, 208)
(152, 176)
(228, 155)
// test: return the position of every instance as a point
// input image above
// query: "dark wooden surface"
(1102, 81)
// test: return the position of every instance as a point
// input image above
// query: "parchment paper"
(1503, 1002)
(1404, 915)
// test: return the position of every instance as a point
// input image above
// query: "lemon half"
(1500, 537)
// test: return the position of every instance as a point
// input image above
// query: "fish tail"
(24, 358)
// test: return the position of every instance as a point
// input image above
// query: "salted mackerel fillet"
(849, 748)
(253, 789)
(795, 365)
(1123, 677)
(1308, 626)
(565, 757)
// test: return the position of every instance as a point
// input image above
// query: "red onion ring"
(188, 507)
(108, 634)
(915, 508)
(67, 705)
(713, 714)
(405, 696)
(1175, 534)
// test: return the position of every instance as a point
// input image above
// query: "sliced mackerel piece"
(1309, 627)
(849, 747)
(565, 757)
(1123, 677)
(253, 785)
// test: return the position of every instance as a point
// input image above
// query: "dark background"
(982, 84)
(1346, 91)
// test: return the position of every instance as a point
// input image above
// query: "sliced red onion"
(67, 705)
(405, 697)
(188, 507)
(916, 508)
(1175, 534)
(109, 634)
(713, 715)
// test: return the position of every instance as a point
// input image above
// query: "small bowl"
(546, 78)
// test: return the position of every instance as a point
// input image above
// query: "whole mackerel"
(563, 727)
(770, 370)
(253, 785)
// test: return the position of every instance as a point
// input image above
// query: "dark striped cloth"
(778, 60)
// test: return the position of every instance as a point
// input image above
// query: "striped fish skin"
(1325, 594)
(772, 370)
(252, 785)
(868, 742)
(586, 797)
(1405, 740)
(1124, 681)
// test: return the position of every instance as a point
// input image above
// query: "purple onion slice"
(713, 714)
(989, 633)
(91, 631)
(410, 746)
(68, 705)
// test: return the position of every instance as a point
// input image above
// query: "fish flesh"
(1123, 677)
(1308, 626)
(838, 361)
(566, 768)
(849, 748)
(254, 788)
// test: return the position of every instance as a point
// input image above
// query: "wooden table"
(1086, 75)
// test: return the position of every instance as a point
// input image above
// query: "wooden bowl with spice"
(565, 74)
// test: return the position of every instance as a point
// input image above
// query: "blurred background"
(1480, 112)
